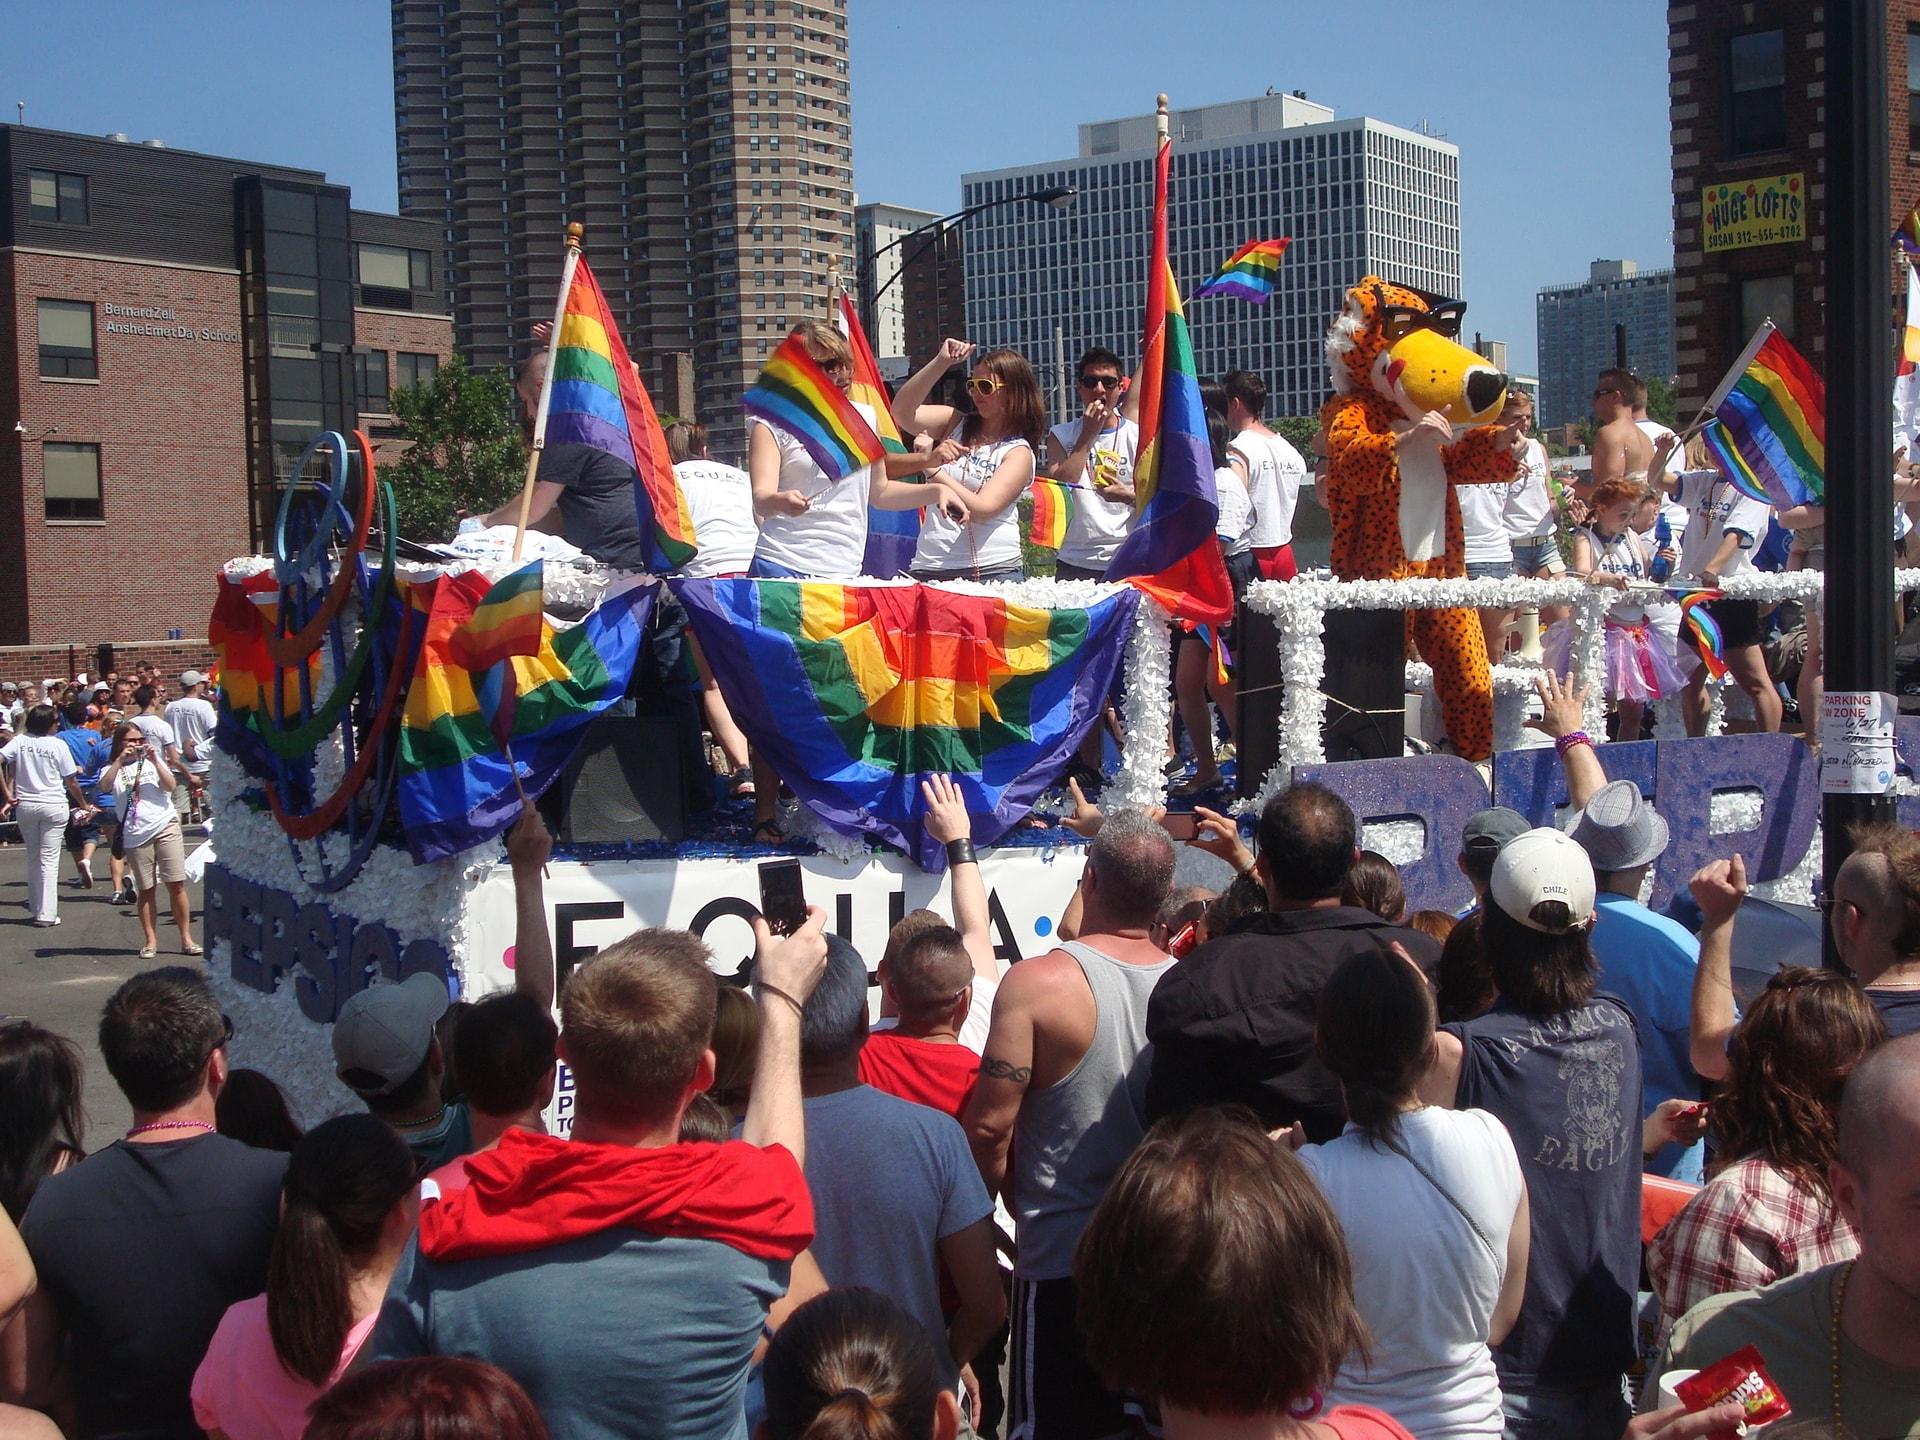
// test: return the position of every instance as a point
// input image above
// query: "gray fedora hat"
(1620, 829)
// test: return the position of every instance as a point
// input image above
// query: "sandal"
(191, 947)
(146, 952)
(768, 832)
(740, 784)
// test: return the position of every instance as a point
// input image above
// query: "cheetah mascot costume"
(1401, 385)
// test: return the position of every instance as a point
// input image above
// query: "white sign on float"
(1856, 742)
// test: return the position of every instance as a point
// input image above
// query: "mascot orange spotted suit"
(1409, 420)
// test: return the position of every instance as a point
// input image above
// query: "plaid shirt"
(1752, 1224)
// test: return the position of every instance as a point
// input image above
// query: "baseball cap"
(1539, 866)
(191, 678)
(1619, 830)
(384, 1032)
(8, 685)
(1492, 828)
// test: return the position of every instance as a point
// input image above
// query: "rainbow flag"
(1772, 414)
(1249, 273)
(795, 394)
(1705, 630)
(456, 786)
(892, 535)
(1171, 552)
(507, 622)
(1052, 512)
(1907, 238)
(1906, 375)
(596, 398)
(856, 693)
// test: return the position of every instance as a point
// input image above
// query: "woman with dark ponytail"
(1432, 1203)
(349, 1204)
(853, 1365)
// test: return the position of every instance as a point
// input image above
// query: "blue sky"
(1557, 167)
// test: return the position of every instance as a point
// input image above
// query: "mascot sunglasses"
(1441, 315)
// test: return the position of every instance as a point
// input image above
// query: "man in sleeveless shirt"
(1063, 1087)
(1620, 449)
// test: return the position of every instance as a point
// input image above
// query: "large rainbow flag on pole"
(857, 693)
(1249, 273)
(795, 394)
(1906, 375)
(1771, 410)
(1171, 553)
(593, 396)
(892, 535)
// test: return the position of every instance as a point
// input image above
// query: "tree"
(1297, 431)
(1660, 400)
(464, 454)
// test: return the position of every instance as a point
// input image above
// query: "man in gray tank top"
(1063, 1086)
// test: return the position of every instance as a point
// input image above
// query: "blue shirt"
(89, 753)
(1648, 961)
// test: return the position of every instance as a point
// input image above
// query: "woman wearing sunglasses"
(995, 466)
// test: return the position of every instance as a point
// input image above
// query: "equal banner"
(856, 693)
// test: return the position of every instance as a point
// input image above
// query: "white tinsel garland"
(1142, 782)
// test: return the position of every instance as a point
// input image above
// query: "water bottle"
(1662, 540)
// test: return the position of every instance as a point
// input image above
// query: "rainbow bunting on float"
(456, 786)
(1052, 512)
(795, 394)
(1249, 273)
(1907, 238)
(596, 398)
(1772, 414)
(1170, 552)
(892, 535)
(856, 693)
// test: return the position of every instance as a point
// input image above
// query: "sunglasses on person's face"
(226, 1035)
(1099, 382)
(984, 385)
(1610, 390)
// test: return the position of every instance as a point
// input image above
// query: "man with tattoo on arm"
(1063, 1086)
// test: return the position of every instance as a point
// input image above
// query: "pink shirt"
(242, 1389)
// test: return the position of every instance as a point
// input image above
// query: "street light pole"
(1058, 196)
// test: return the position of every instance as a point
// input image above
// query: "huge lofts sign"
(1737, 214)
(159, 321)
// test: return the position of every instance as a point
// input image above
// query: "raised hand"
(1086, 819)
(947, 818)
(1563, 706)
(791, 963)
(1219, 836)
(528, 844)
(1718, 887)
(953, 352)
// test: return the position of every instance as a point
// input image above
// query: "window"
(413, 369)
(1913, 87)
(1765, 297)
(71, 474)
(66, 340)
(370, 382)
(1757, 92)
(389, 273)
(52, 195)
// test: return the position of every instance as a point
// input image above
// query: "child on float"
(1608, 553)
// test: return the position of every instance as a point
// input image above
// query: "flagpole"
(575, 232)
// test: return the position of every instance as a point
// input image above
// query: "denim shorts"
(1489, 570)
(1530, 557)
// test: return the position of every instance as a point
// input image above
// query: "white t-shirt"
(1675, 512)
(41, 764)
(1715, 506)
(1274, 475)
(1483, 521)
(151, 810)
(1422, 1280)
(829, 540)
(720, 504)
(158, 732)
(1529, 509)
(946, 544)
(192, 719)
(1235, 522)
(1098, 527)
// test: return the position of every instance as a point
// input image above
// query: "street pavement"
(61, 977)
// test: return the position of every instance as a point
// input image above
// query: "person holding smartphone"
(142, 783)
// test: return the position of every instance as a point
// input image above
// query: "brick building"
(1747, 104)
(178, 326)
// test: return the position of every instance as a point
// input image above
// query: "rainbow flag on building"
(1249, 273)
(856, 693)
(892, 535)
(1906, 240)
(595, 398)
(1771, 441)
(1906, 375)
(795, 394)
(1052, 512)
(1171, 553)
(456, 787)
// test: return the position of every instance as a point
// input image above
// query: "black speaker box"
(625, 783)
(1365, 688)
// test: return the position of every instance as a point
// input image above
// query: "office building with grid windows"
(1618, 311)
(705, 145)
(1357, 196)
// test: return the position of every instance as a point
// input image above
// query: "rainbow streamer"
(1705, 630)
(795, 394)
(1171, 553)
(1249, 273)
(596, 398)
(1772, 410)
(1052, 512)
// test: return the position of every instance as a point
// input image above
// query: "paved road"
(61, 977)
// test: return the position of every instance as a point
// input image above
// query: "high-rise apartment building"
(1357, 196)
(705, 145)
(1617, 313)
(881, 243)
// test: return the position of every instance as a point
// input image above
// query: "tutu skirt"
(1639, 664)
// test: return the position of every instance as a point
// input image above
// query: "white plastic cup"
(1670, 1386)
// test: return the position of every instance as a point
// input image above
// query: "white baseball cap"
(1539, 866)
(191, 678)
